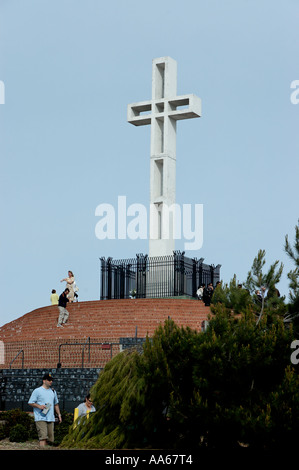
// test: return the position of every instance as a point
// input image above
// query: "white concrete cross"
(162, 112)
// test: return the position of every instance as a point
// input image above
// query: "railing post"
(179, 272)
(141, 276)
(200, 275)
(215, 274)
(176, 270)
(130, 279)
(121, 282)
(106, 278)
(21, 351)
(109, 278)
(194, 277)
(103, 279)
(182, 271)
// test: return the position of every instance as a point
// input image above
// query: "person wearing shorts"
(45, 403)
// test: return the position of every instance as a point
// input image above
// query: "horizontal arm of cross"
(177, 108)
(135, 110)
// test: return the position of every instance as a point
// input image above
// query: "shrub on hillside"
(62, 429)
(233, 384)
(18, 433)
(13, 417)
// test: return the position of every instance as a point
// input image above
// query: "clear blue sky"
(70, 67)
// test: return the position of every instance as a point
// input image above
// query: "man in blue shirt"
(44, 402)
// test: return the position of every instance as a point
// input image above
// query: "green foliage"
(258, 295)
(293, 275)
(229, 386)
(19, 426)
(233, 297)
(265, 283)
(256, 278)
(62, 429)
(232, 384)
(2, 432)
(18, 433)
(109, 426)
(16, 416)
(241, 365)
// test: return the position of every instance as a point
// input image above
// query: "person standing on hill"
(208, 293)
(54, 297)
(63, 313)
(70, 285)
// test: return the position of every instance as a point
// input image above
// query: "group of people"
(45, 404)
(263, 295)
(70, 294)
(205, 293)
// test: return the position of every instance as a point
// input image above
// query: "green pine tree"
(232, 384)
(293, 275)
(262, 286)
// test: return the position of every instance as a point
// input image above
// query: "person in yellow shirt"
(54, 297)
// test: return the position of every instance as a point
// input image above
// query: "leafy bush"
(13, 417)
(18, 433)
(62, 429)
(2, 432)
(231, 385)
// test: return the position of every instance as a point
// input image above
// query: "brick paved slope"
(106, 320)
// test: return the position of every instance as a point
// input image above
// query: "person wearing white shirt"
(44, 402)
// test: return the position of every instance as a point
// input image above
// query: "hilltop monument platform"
(164, 282)
(95, 332)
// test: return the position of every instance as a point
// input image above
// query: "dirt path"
(5, 444)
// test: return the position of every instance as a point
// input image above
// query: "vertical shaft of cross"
(163, 159)
(162, 112)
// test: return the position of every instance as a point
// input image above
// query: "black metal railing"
(103, 354)
(20, 352)
(165, 276)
